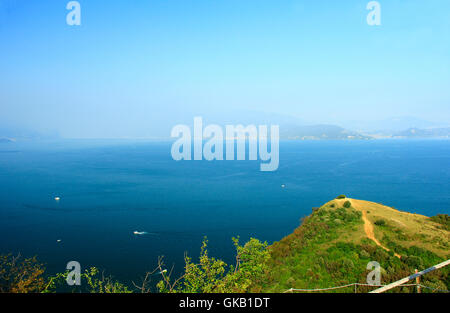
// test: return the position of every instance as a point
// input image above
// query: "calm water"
(110, 189)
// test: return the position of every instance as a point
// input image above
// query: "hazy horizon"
(135, 71)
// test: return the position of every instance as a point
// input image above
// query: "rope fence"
(359, 284)
(383, 288)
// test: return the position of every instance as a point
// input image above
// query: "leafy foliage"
(251, 267)
(442, 219)
(205, 276)
(213, 275)
(26, 275)
(323, 253)
(92, 281)
(19, 275)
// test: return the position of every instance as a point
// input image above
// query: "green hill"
(335, 243)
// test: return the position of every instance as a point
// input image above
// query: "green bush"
(291, 282)
(341, 197)
(364, 254)
(27, 275)
(213, 275)
(347, 204)
(414, 261)
(380, 222)
(442, 219)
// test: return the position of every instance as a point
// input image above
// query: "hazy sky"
(136, 68)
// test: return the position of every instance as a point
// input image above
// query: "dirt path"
(368, 227)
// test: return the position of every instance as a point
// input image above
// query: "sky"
(138, 68)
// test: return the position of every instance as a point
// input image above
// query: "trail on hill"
(368, 227)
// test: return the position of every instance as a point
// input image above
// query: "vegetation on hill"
(442, 219)
(331, 247)
(320, 132)
(21, 275)
(213, 275)
(27, 275)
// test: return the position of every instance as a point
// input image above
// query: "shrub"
(347, 204)
(414, 261)
(26, 275)
(341, 197)
(213, 275)
(21, 275)
(380, 222)
(364, 254)
(348, 264)
(291, 282)
(442, 219)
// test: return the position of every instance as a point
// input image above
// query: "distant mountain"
(424, 133)
(394, 124)
(319, 132)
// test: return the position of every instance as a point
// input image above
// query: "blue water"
(109, 189)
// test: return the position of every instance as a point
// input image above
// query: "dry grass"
(418, 230)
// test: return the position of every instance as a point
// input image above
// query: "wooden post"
(417, 281)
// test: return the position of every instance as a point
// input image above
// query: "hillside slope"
(336, 242)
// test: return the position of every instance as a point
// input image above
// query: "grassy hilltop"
(334, 244)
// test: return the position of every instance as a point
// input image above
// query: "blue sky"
(134, 68)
